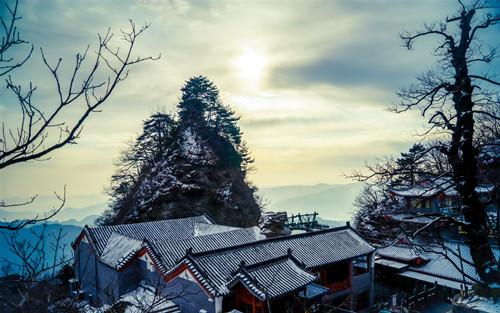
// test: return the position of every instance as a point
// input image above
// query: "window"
(337, 272)
(360, 265)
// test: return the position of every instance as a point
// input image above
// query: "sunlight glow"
(251, 65)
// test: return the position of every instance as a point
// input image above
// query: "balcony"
(340, 285)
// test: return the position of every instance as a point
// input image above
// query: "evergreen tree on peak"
(199, 97)
(203, 110)
(187, 166)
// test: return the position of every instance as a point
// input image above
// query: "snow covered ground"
(143, 299)
(480, 304)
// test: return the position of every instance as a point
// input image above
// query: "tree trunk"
(463, 159)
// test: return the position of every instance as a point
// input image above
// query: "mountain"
(67, 216)
(330, 223)
(89, 220)
(29, 234)
(332, 201)
(186, 165)
(80, 214)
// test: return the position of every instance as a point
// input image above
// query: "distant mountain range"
(27, 237)
(67, 216)
(333, 202)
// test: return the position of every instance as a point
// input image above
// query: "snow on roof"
(157, 230)
(445, 262)
(433, 279)
(314, 249)
(216, 256)
(425, 189)
(391, 263)
(410, 218)
(119, 249)
(118, 245)
(273, 278)
(403, 252)
(442, 258)
(416, 191)
(201, 229)
(172, 251)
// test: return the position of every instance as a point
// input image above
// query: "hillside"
(29, 235)
(186, 165)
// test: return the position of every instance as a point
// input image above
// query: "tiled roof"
(417, 191)
(273, 267)
(273, 278)
(429, 189)
(171, 252)
(158, 230)
(442, 258)
(119, 249)
(445, 262)
(201, 229)
(314, 249)
(403, 252)
(313, 291)
(116, 245)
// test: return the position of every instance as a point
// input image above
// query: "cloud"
(332, 67)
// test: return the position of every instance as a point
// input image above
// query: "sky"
(311, 80)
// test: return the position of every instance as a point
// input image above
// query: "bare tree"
(29, 271)
(42, 130)
(10, 38)
(452, 98)
(29, 280)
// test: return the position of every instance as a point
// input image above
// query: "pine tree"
(187, 167)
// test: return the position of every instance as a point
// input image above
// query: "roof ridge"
(156, 222)
(262, 264)
(200, 237)
(273, 239)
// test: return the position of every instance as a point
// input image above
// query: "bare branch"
(30, 142)
(485, 79)
(18, 224)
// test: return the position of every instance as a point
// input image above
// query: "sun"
(251, 64)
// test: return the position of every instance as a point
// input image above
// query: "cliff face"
(186, 164)
(192, 179)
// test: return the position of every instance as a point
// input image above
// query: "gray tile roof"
(119, 249)
(313, 291)
(274, 266)
(442, 259)
(403, 252)
(166, 241)
(273, 278)
(312, 250)
(158, 230)
(171, 252)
